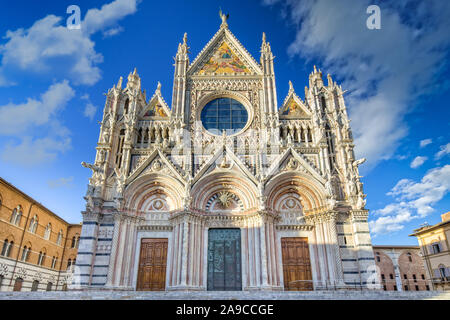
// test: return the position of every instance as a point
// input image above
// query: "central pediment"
(224, 55)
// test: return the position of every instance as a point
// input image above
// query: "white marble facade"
(289, 171)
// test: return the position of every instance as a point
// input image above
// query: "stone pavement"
(226, 295)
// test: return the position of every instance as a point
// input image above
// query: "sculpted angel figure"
(223, 17)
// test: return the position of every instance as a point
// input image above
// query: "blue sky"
(52, 82)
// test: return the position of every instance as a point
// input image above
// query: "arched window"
(409, 257)
(13, 216)
(54, 260)
(25, 253)
(75, 241)
(139, 136)
(330, 143)
(48, 231)
(16, 215)
(41, 257)
(69, 263)
(5, 247)
(1, 280)
(60, 236)
(49, 286)
(120, 148)
(35, 285)
(126, 106)
(324, 104)
(33, 224)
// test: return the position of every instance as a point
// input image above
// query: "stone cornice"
(154, 228)
(304, 227)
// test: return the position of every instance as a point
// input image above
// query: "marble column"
(339, 274)
(114, 249)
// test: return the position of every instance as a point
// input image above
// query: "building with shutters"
(434, 244)
(38, 248)
(225, 189)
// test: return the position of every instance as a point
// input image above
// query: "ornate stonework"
(288, 171)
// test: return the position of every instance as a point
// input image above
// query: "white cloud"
(425, 142)
(19, 118)
(384, 70)
(48, 47)
(418, 161)
(60, 183)
(30, 152)
(445, 149)
(32, 131)
(90, 110)
(413, 200)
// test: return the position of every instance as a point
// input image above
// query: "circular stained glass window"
(224, 114)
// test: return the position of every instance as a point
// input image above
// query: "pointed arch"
(312, 195)
(142, 193)
(211, 184)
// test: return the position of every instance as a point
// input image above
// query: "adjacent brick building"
(38, 248)
(401, 268)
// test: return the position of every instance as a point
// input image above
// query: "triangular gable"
(211, 165)
(148, 163)
(224, 61)
(302, 164)
(225, 55)
(157, 106)
(293, 106)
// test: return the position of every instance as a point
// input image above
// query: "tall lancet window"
(323, 104)
(330, 142)
(120, 148)
(126, 106)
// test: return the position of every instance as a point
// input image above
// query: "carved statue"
(106, 136)
(94, 168)
(223, 17)
(359, 162)
(101, 156)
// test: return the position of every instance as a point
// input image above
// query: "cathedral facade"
(224, 190)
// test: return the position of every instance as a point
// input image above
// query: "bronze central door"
(224, 259)
(296, 264)
(152, 265)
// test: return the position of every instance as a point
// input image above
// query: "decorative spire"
(183, 47)
(264, 37)
(135, 70)
(119, 84)
(330, 81)
(224, 19)
(291, 87)
(158, 88)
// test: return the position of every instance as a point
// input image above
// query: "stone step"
(225, 295)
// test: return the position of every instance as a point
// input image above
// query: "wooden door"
(18, 284)
(152, 265)
(296, 264)
(224, 259)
